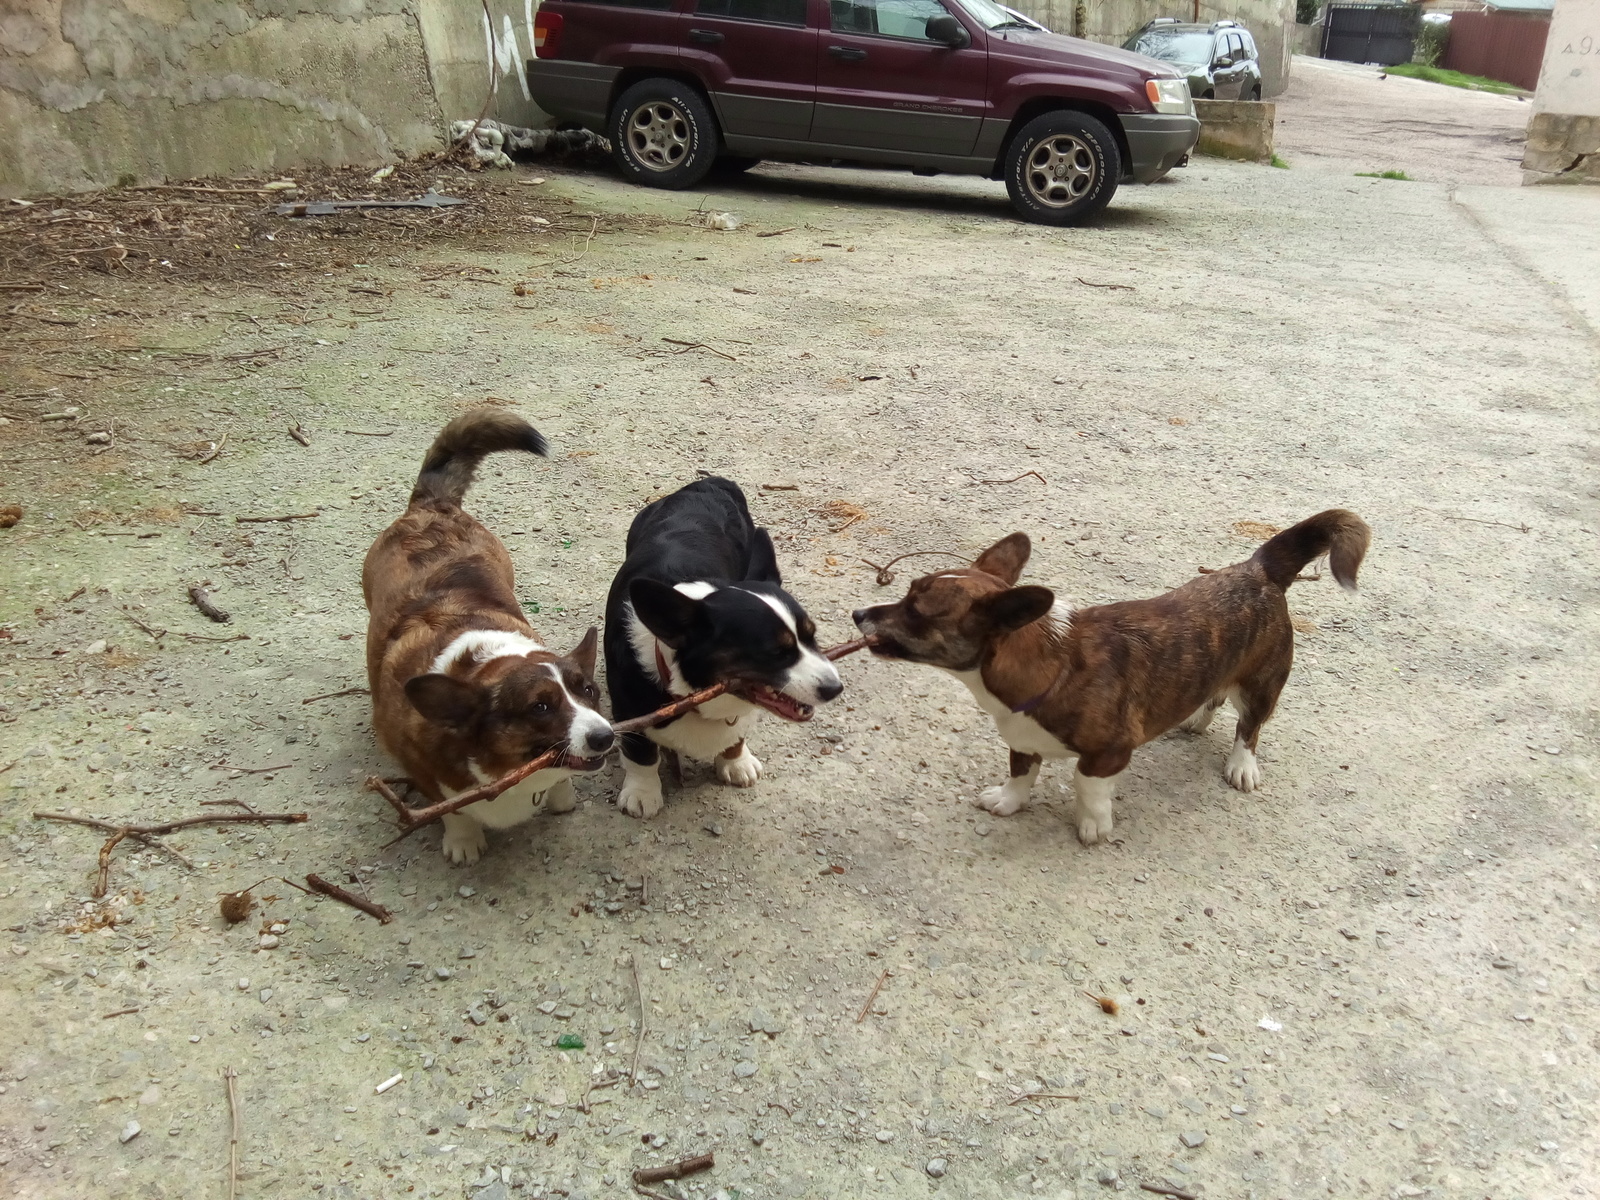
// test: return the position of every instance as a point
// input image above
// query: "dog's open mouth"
(884, 646)
(573, 762)
(775, 701)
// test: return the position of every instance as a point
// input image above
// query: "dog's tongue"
(786, 707)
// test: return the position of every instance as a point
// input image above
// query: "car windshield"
(993, 16)
(1171, 45)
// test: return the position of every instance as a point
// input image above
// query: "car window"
(1190, 48)
(1249, 45)
(892, 18)
(781, 12)
(1236, 47)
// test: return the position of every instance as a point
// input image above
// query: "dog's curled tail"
(453, 458)
(1338, 533)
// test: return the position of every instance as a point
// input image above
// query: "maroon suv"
(961, 86)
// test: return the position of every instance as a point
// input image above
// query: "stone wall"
(97, 91)
(1237, 129)
(1564, 131)
(1270, 22)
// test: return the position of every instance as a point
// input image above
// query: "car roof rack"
(1164, 21)
(1226, 25)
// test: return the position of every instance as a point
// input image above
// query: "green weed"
(1279, 163)
(1384, 175)
(1476, 83)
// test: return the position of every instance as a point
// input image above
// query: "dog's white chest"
(709, 730)
(517, 803)
(1018, 730)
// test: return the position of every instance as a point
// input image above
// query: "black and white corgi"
(699, 601)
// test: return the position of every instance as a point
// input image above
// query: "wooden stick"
(776, 232)
(318, 884)
(867, 1007)
(677, 1170)
(202, 600)
(229, 1075)
(1162, 1189)
(638, 1044)
(1121, 287)
(101, 884)
(355, 691)
(182, 823)
(299, 435)
(1024, 475)
(1044, 1096)
(216, 449)
(121, 1012)
(375, 784)
(269, 520)
(224, 765)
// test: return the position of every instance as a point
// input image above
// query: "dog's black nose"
(829, 690)
(859, 616)
(600, 740)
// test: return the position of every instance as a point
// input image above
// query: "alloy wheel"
(659, 135)
(1061, 170)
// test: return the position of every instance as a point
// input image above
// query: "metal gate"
(1369, 33)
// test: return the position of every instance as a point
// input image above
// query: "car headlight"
(1169, 95)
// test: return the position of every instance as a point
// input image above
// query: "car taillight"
(547, 34)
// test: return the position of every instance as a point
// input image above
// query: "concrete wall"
(1237, 129)
(1564, 131)
(1271, 23)
(93, 91)
(466, 49)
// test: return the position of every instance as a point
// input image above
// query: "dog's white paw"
(1093, 827)
(740, 772)
(1200, 720)
(1002, 801)
(640, 795)
(1242, 768)
(561, 798)
(464, 839)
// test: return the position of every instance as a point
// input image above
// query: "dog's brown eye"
(540, 709)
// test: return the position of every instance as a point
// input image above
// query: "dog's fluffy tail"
(453, 458)
(1338, 533)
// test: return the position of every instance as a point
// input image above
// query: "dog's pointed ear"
(663, 610)
(1006, 558)
(763, 562)
(586, 651)
(448, 700)
(1014, 607)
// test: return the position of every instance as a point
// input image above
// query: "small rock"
(666, 964)
(936, 1168)
(442, 972)
(761, 1021)
(477, 1015)
(244, 985)
(1547, 749)
(982, 828)
(564, 1013)
(758, 1137)
(1107, 1176)
(885, 1136)
(129, 1132)
(266, 994)
(1549, 1146)
(467, 952)
(1192, 1138)
(270, 941)
(98, 439)
(465, 892)
(744, 1069)
(714, 829)
(1501, 963)
(98, 647)
(1397, 1123)
(547, 1007)
(1522, 1016)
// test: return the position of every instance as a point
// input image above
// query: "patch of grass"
(1279, 163)
(1475, 83)
(1384, 175)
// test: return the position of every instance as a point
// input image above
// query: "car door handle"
(708, 36)
(848, 53)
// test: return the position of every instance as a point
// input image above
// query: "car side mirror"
(946, 29)
(1223, 60)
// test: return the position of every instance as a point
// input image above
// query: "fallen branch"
(299, 435)
(155, 634)
(776, 232)
(216, 449)
(318, 884)
(149, 835)
(202, 600)
(1501, 524)
(1121, 287)
(223, 764)
(1043, 1096)
(102, 880)
(876, 988)
(886, 576)
(1162, 1189)
(269, 520)
(121, 1012)
(638, 1042)
(1024, 475)
(677, 1170)
(369, 432)
(688, 346)
(229, 1075)
(353, 691)
(780, 487)
(376, 784)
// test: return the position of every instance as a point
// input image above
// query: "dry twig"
(1044, 1096)
(149, 834)
(1120, 287)
(202, 601)
(270, 520)
(299, 435)
(638, 1044)
(353, 691)
(121, 1012)
(876, 988)
(677, 1170)
(318, 884)
(229, 1075)
(886, 576)
(688, 346)
(1162, 1189)
(216, 449)
(1024, 475)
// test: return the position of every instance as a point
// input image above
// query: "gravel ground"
(1346, 117)
(1375, 977)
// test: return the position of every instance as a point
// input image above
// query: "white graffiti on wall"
(505, 56)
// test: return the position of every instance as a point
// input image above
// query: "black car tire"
(1062, 168)
(663, 134)
(1255, 93)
